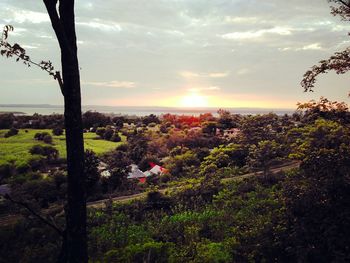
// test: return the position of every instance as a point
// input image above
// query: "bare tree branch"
(347, 4)
(42, 219)
(15, 50)
(339, 62)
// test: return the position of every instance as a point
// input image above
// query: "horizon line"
(134, 106)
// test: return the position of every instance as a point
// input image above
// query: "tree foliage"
(317, 196)
(263, 155)
(340, 61)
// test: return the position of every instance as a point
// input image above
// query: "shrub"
(6, 170)
(11, 132)
(100, 132)
(165, 178)
(37, 149)
(116, 138)
(91, 170)
(47, 139)
(40, 135)
(50, 152)
(108, 134)
(212, 252)
(163, 129)
(151, 251)
(36, 162)
(23, 167)
(59, 178)
(122, 147)
(57, 131)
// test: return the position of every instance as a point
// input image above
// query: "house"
(136, 173)
(157, 170)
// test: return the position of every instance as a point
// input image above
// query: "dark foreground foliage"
(276, 218)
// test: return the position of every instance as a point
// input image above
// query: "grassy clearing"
(16, 148)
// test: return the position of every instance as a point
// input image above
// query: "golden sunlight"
(194, 100)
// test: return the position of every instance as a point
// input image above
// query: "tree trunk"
(74, 245)
(76, 205)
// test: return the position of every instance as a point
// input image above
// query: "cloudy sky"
(220, 53)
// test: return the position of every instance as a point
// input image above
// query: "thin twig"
(42, 219)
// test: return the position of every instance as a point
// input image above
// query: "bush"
(151, 251)
(6, 170)
(91, 170)
(59, 178)
(116, 138)
(212, 252)
(57, 131)
(108, 134)
(165, 178)
(122, 147)
(100, 132)
(11, 132)
(36, 162)
(50, 152)
(40, 135)
(163, 128)
(37, 149)
(47, 139)
(23, 167)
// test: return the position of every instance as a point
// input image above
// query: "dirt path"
(12, 218)
(100, 203)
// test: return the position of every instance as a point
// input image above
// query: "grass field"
(16, 148)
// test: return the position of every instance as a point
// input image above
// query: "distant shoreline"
(47, 109)
(13, 112)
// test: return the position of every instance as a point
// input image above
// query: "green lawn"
(16, 148)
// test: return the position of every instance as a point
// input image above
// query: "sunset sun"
(194, 100)
(174, 131)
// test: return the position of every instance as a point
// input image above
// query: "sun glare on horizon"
(194, 100)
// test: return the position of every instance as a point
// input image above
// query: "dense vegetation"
(205, 208)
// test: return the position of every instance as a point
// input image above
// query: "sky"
(216, 53)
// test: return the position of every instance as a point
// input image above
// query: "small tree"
(11, 132)
(263, 155)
